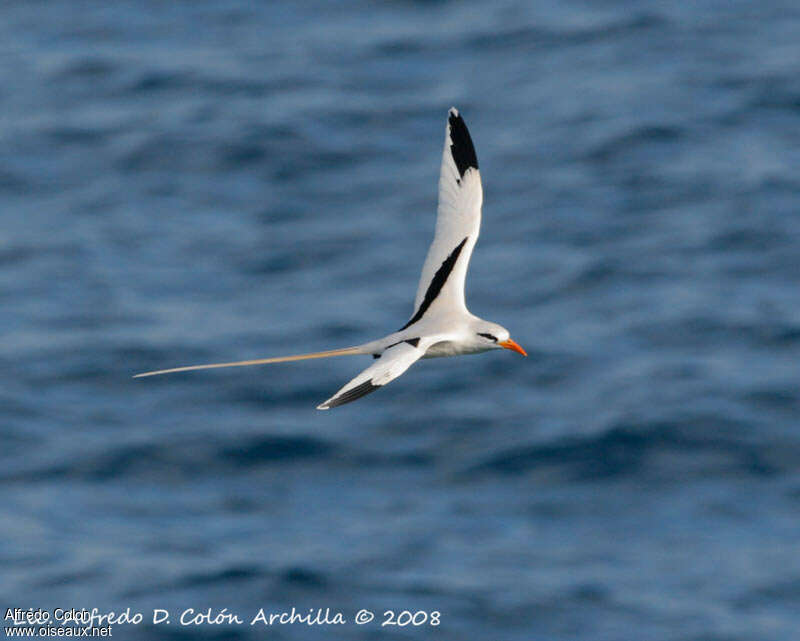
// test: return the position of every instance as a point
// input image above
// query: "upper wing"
(394, 361)
(458, 223)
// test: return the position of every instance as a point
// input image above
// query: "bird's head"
(494, 336)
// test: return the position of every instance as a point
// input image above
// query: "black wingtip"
(350, 395)
(461, 143)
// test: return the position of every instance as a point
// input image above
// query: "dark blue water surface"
(191, 182)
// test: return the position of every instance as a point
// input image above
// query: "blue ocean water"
(197, 182)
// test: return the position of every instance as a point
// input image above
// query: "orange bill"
(509, 344)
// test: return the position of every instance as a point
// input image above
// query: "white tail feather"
(259, 361)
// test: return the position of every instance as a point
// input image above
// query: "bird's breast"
(451, 348)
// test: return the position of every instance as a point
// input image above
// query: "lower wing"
(393, 362)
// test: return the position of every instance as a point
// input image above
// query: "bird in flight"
(441, 325)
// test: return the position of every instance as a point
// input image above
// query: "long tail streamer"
(259, 361)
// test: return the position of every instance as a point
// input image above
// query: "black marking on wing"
(352, 394)
(461, 144)
(376, 356)
(411, 341)
(439, 279)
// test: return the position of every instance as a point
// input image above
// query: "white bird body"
(441, 324)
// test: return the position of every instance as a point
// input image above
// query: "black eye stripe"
(489, 336)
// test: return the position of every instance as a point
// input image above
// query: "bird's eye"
(489, 336)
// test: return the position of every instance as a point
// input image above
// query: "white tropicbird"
(441, 324)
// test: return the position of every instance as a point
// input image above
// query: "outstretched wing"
(458, 223)
(393, 362)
